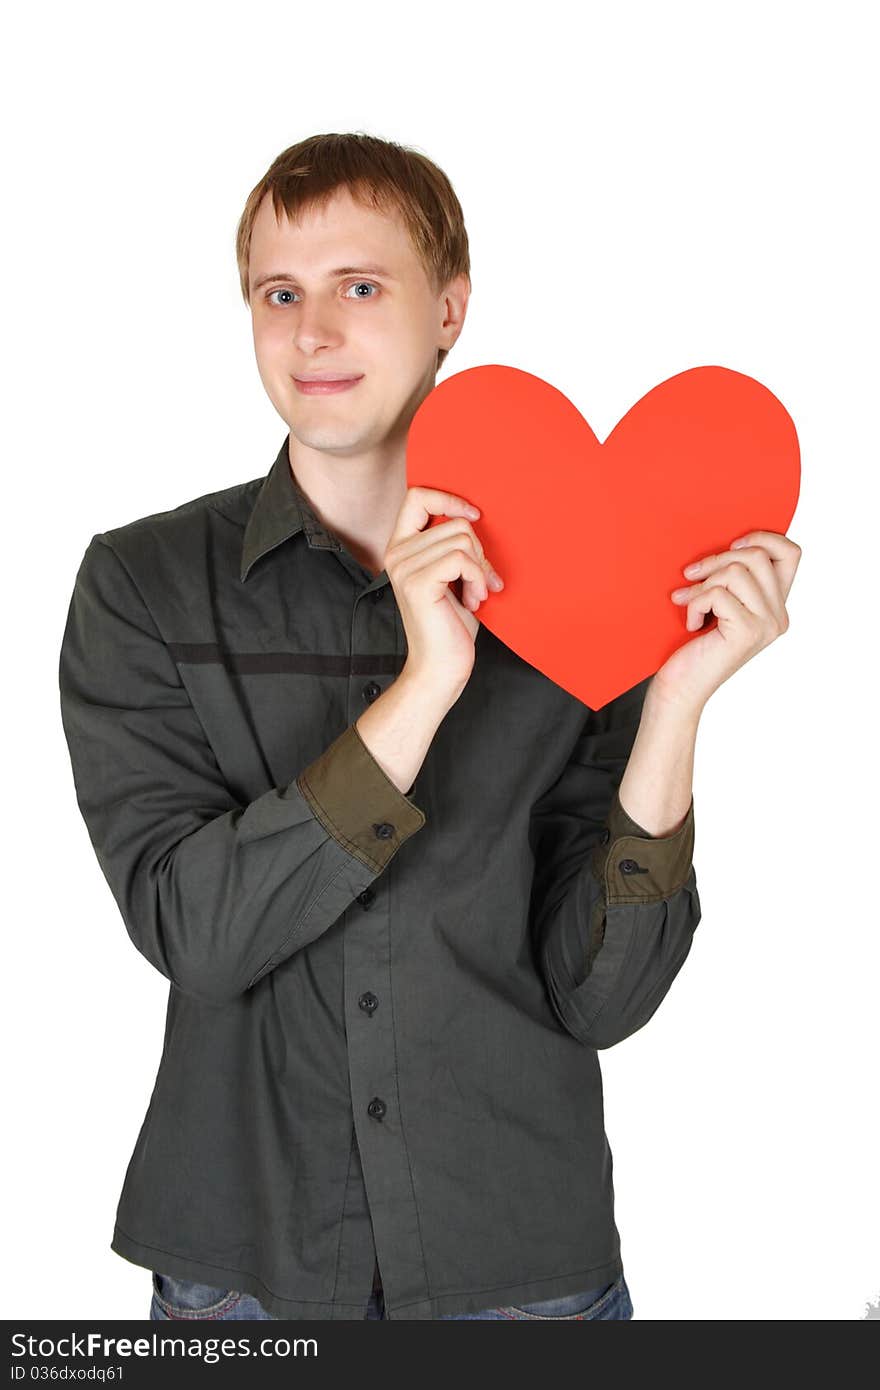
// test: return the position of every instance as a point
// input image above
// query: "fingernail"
(496, 581)
(692, 569)
(473, 511)
(741, 541)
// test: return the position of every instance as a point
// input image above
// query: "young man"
(383, 862)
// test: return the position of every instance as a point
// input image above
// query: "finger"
(445, 568)
(783, 551)
(457, 530)
(475, 587)
(739, 580)
(470, 620)
(754, 580)
(755, 559)
(421, 503)
(458, 526)
(779, 546)
(767, 617)
(730, 611)
(436, 541)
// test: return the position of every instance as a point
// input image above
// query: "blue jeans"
(180, 1298)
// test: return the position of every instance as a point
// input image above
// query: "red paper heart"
(590, 539)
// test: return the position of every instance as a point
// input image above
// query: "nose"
(315, 327)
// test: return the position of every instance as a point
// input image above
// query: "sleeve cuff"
(637, 867)
(356, 801)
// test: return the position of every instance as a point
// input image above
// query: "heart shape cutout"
(590, 538)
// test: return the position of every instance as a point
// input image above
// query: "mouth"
(325, 385)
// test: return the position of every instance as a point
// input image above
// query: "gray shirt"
(384, 1009)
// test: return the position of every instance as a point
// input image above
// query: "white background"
(647, 187)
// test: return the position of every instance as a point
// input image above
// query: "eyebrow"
(331, 274)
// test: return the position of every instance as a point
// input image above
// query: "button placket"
(369, 1012)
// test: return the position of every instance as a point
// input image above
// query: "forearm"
(398, 728)
(657, 786)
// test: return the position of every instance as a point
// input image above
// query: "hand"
(440, 631)
(746, 588)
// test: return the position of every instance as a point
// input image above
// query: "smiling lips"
(326, 385)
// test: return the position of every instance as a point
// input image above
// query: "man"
(402, 885)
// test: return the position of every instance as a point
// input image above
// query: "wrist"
(425, 692)
(669, 705)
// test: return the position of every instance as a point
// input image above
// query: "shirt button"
(383, 831)
(629, 866)
(366, 898)
(371, 691)
(376, 595)
(376, 1108)
(368, 1002)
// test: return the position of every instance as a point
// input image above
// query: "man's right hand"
(421, 564)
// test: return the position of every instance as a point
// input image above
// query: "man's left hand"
(746, 588)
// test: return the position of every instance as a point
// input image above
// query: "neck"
(358, 501)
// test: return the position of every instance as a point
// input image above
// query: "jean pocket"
(608, 1301)
(183, 1298)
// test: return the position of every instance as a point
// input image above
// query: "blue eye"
(356, 285)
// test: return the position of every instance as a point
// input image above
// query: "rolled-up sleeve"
(614, 908)
(212, 892)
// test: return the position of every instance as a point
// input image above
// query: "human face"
(380, 320)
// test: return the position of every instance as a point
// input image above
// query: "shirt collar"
(281, 511)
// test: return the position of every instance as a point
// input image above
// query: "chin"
(328, 439)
